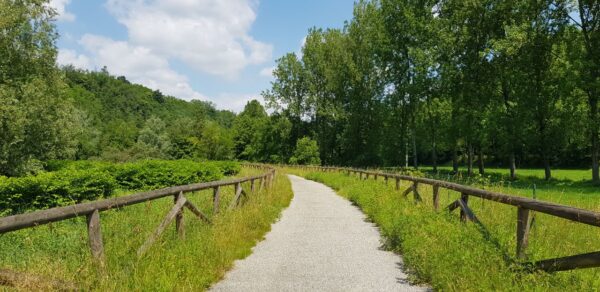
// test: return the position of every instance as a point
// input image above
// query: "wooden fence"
(92, 210)
(524, 215)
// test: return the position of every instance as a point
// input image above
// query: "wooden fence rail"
(92, 209)
(524, 206)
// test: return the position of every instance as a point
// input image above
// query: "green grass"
(60, 250)
(526, 173)
(449, 255)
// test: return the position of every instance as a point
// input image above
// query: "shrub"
(307, 152)
(53, 189)
(73, 182)
(153, 174)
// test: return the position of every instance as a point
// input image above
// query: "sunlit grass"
(60, 250)
(450, 255)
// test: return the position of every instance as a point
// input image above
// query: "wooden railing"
(92, 209)
(524, 216)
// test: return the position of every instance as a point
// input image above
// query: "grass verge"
(60, 250)
(449, 255)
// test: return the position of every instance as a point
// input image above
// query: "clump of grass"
(450, 255)
(60, 250)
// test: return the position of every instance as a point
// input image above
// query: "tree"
(306, 152)
(248, 128)
(589, 23)
(36, 122)
(153, 140)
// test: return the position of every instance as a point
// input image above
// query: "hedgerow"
(71, 182)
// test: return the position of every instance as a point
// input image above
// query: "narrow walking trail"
(321, 243)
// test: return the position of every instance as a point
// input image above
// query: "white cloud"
(235, 101)
(267, 72)
(70, 57)
(138, 64)
(60, 7)
(211, 36)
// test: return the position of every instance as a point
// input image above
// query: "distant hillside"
(119, 118)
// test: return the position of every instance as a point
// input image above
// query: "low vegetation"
(449, 255)
(70, 182)
(60, 250)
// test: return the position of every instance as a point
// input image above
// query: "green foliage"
(154, 174)
(70, 182)
(307, 152)
(37, 122)
(53, 189)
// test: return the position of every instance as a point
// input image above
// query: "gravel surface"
(321, 243)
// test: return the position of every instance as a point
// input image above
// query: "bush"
(71, 182)
(154, 174)
(53, 189)
(307, 152)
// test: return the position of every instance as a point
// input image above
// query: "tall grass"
(450, 255)
(60, 250)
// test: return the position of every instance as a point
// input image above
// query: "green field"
(60, 251)
(449, 255)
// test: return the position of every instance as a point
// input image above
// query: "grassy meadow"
(449, 255)
(60, 250)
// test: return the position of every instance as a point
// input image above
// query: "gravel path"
(321, 243)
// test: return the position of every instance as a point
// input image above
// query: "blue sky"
(217, 50)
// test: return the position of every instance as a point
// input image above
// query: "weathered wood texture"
(95, 237)
(179, 223)
(523, 225)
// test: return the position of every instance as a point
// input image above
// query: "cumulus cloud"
(211, 36)
(70, 57)
(60, 7)
(267, 72)
(139, 64)
(235, 101)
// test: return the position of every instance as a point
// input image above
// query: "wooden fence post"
(436, 197)
(179, 223)
(95, 237)
(523, 224)
(216, 200)
(397, 183)
(252, 185)
(465, 198)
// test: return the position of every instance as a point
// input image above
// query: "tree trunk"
(481, 162)
(594, 131)
(434, 155)
(547, 171)
(513, 166)
(406, 154)
(414, 149)
(455, 160)
(470, 159)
